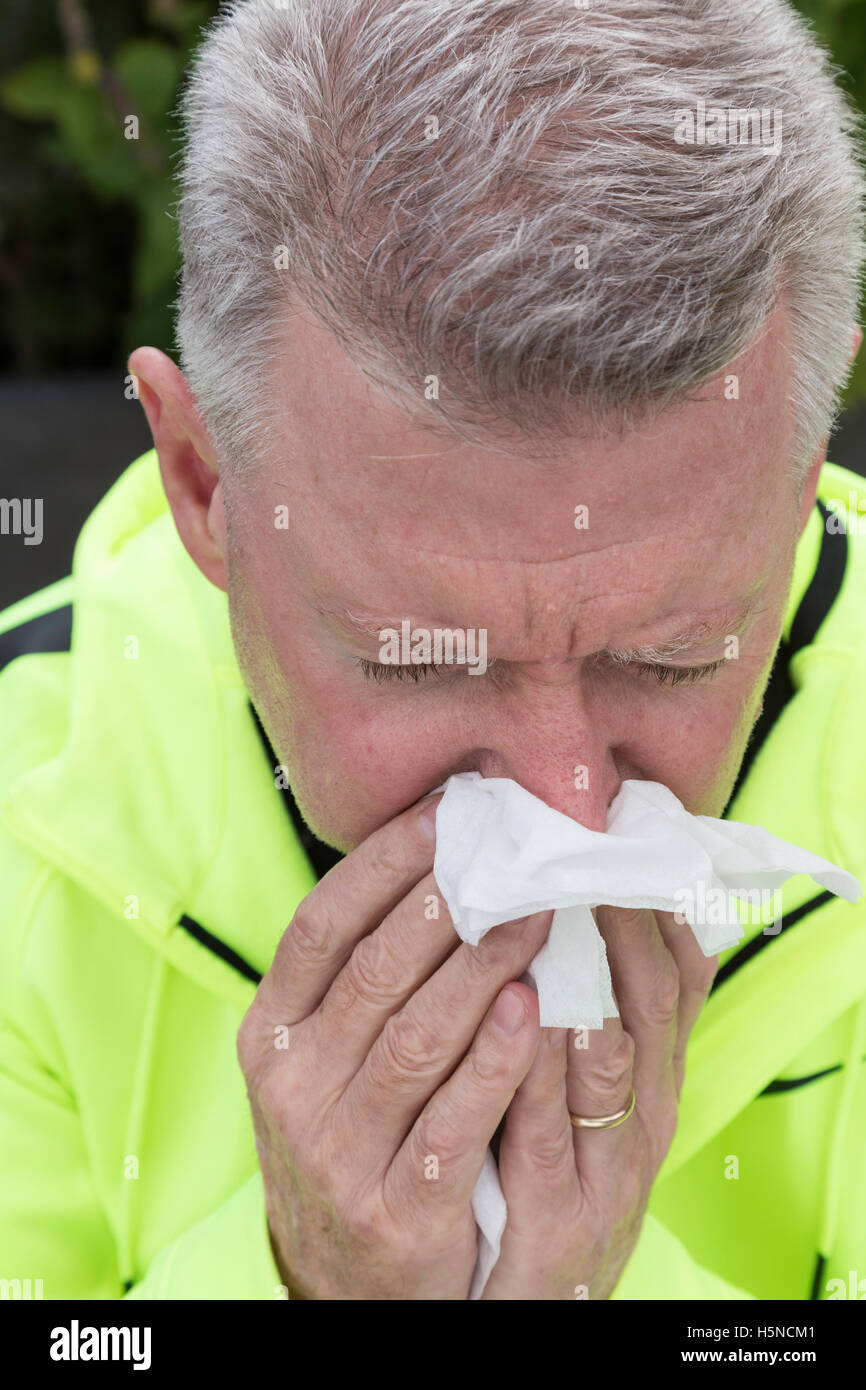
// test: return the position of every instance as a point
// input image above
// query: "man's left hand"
(577, 1197)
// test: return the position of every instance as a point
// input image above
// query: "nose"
(546, 738)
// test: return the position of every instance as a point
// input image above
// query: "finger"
(600, 1077)
(350, 901)
(421, 1044)
(385, 969)
(536, 1155)
(646, 980)
(697, 973)
(441, 1159)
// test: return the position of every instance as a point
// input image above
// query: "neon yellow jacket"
(148, 867)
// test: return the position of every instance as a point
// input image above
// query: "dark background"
(88, 256)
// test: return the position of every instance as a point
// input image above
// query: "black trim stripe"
(820, 595)
(824, 589)
(818, 1279)
(776, 696)
(817, 601)
(796, 1081)
(322, 857)
(776, 1087)
(761, 941)
(49, 632)
(219, 948)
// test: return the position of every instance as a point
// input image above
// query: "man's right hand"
(377, 1074)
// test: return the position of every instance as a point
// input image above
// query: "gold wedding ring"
(604, 1121)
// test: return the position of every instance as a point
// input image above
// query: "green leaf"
(92, 133)
(37, 90)
(149, 72)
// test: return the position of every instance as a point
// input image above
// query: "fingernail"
(427, 819)
(508, 1014)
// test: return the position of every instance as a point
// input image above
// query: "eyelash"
(380, 672)
(664, 675)
(681, 675)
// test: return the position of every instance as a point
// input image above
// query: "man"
(479, 333)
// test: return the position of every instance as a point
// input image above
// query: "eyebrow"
(697, 634)
(700, 633)
(367, 627)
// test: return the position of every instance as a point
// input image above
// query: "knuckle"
(441, 1131)
(552, 1155)
(609, 1071)
(488, 1065)
(278, 1089)
(252, 1045)
(662, 997)
(480, 967)
(371, 1224)
(248, 1042)
(628, 921)
(311, 932)
(517, 940)
(367, 977)
(405, 1051)
(385, 859)
(631, 917)
(276, 1093)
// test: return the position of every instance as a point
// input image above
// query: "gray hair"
(422, 175)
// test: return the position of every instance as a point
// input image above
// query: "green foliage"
(80, 102)
(68, 108)
(841, 24)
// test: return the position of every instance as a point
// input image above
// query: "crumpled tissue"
(502, 854)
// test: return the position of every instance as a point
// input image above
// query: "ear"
(188, 460)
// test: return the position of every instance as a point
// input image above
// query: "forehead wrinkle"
(509, 562)
(537, 614)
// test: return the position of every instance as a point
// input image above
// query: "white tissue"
(501, 854)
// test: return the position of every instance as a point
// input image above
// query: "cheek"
(692, 742)
(381, 757)
(352, 763)
(355, 758)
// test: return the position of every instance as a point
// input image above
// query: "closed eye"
(664, 675)
(680, 675)
(380, 672)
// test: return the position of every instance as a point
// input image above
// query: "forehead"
(682, 514)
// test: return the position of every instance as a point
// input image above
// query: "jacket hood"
(159, 799)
